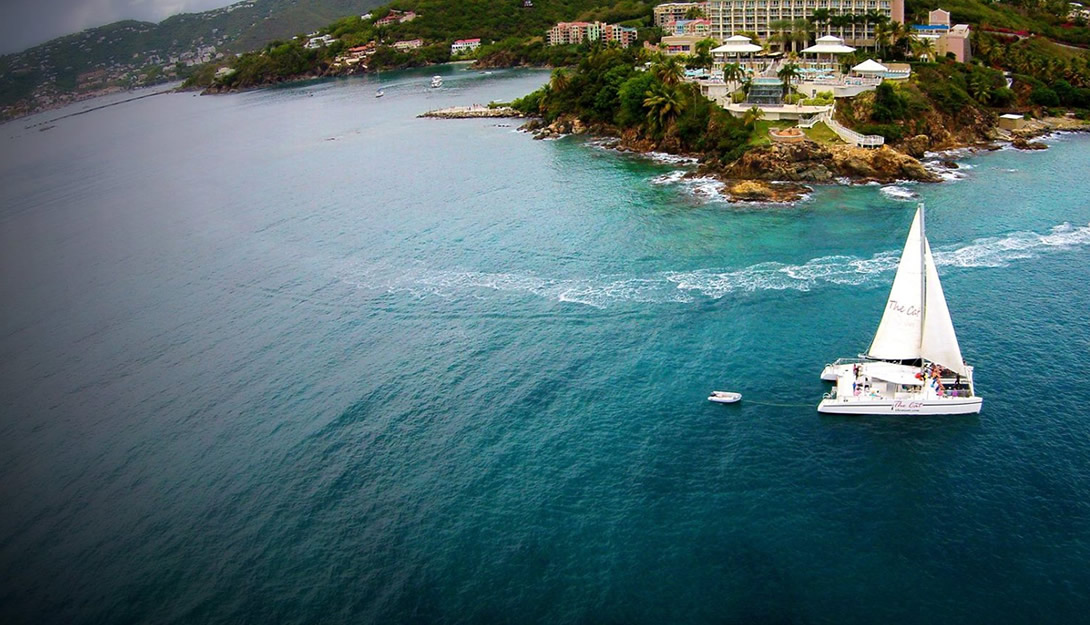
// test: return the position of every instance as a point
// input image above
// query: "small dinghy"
(724, 397)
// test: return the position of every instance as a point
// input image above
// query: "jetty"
(472, 111)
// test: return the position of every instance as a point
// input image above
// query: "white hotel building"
(730, 17)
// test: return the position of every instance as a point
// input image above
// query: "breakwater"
(472, 111)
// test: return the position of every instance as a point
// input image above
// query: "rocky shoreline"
(781, 173)
(775, 174)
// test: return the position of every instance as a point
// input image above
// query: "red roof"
(477, 40)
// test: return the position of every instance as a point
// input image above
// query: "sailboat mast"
(923, 275)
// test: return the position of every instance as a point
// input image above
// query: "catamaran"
(914, 363)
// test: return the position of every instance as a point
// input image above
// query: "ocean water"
(297, 356)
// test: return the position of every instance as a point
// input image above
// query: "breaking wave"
(900, 194)
(671, 159)
(687, 286)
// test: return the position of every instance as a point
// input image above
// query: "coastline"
(785, 174)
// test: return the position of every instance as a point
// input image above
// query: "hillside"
(511, 34)
(129, 53)
(1047, 18)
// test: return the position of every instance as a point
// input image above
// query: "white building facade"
(730, 17)
(670, 12)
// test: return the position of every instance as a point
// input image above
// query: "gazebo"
(828, 47)
(736, 46)
(870, 69)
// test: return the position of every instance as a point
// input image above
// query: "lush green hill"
(1048, 18)
(511, 34)
(129, 52)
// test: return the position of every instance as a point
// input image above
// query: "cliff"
(810, 162)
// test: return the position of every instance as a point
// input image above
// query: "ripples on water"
(436, 371)
(671, 286)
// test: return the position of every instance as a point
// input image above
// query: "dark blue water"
(298, 356)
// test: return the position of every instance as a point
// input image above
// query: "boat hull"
(948, 406)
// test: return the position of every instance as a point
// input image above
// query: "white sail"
(900, 331)
(939, 343)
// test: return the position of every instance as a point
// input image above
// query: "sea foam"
(901, 194)
(602, 290)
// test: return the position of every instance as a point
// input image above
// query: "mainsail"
(916, 322)
(899, 332)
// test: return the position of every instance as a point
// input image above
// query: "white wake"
(686, 286)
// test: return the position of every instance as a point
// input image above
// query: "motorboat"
(724, 397)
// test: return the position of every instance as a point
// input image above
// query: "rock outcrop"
(470, 112)
(1022, 143)
(810, 162)
(565, 125)
(764, 191)
(916, 146)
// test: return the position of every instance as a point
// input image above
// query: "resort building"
(944, 37)
(666, 14)
(355, 56)
(408, 44)
(691, 27)
(318, 42)
(731, 17)
(395, 16)
(464, 45)
(681, 44)
(578, 32)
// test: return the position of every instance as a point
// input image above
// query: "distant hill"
(131, 53)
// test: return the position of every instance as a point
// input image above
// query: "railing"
(850, 136)
(810, 122)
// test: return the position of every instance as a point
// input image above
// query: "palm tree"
(800, 33)
(979, 88)
(543, 103)
(821, 18)
(753, 115)
(789, 73)
(703, 56)
(879, 21)
(560, 80)
(733, 72)
(783, 33)
(669, 70)
(922, 48)
(902, 36)
(882, 32)
(663, 106)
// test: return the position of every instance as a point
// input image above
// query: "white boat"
(914, 364)
(724, 397)
(379, 93)
(436, 81)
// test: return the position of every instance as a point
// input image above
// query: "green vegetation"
(1041, 70)
(510, 35)
(943, 94)
(760, 131)
(1048, 18)
(609, 89)
(126, 50)
(823, 98)
(821, 133)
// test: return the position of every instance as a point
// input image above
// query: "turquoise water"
(298, 356)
